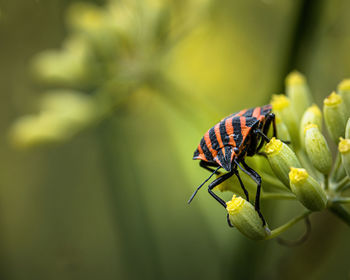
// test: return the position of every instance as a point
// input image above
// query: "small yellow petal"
(344, 145)
(295, 78)
(310, 125)
(279, 102)
(314, 109)
(344, 85)
(298, 175)
(273, 147)
(235, 205)
(333, 99)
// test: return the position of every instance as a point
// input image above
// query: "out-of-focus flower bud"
(85, 17)
(334, 115)
(317, 149)
(307, 190)
(344, 91)
(76, 107)
(127, 14)
(71, 66)
(281, 159)
(298, 92)
(344, 149)
(313, 115)
(32, 130)
(347, 129)
(282, 108)
(62, 114)
(244, 217)
(97, 26)
(282, 130)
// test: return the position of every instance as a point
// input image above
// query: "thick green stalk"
(338, 170)
(340, 212)
(286, 196)
(342, 184)
(276, 232)
(341, 200)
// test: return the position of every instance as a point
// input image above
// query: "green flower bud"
(33, 130)
(347, 129)
(282, 129)
(307, 190)
(72, 66)
(312, 115)
(62, 114)
(298, 92)
(281, 159)
(244, 217)
(344, 91)
(334, 115)
(86, 17)
(98, 26)
(344, 149)
(317, 149)
(282, 108)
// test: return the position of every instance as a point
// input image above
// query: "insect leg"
(217, 182)
(270, 118)
(273, 117)
(256, 177)
(201, 185)
(228, 220)
(263, 135)
(206, 165)
(241, 183)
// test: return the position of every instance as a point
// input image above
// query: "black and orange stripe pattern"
(218, 142)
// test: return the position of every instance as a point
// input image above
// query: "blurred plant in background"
(110, 53)
(305, 170)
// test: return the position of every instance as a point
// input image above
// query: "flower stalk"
(276, 232)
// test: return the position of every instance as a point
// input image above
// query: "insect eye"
(236, 150)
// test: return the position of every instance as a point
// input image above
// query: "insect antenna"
(195, 192)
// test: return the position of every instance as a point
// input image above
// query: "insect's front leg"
(207, 165)
(271, 117)
(215, 183)
(256, 177)
(241, 183)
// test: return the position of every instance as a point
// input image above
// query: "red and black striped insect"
(226, 145)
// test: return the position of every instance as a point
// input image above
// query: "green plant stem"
(306, 163)
(270, 180)
(287, 196)
(340, 212)
(326, 182)
(342, 184)
(341, 200)
(338, 171)
(276, 232)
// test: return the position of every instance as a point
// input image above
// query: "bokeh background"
(110, 202)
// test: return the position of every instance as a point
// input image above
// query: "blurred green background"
(110, 203)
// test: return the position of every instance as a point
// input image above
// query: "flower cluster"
(304, 169)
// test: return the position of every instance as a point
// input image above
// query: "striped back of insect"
(218, 143)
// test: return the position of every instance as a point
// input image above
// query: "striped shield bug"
(226, 145)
